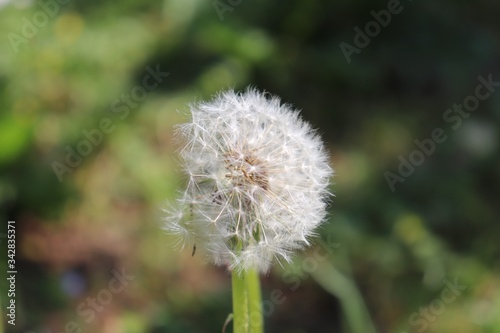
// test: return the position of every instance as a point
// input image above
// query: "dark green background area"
(394, 252)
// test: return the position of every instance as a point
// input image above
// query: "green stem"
(240, 303)
(254, 301)
(247, 303)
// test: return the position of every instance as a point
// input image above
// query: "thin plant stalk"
(252, 281)
(247, 311)
(240, 304)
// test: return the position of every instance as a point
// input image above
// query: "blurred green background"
(74, 81)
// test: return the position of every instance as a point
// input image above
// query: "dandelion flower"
(257, 183)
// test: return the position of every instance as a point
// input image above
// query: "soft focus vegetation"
(75, 75)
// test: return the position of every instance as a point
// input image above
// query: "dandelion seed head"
(257, 184)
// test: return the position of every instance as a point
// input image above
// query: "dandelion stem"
(252, 282)
(247, 311)
(240, 303)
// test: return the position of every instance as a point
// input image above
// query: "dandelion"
(257, 182)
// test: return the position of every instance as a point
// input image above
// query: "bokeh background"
(72, 69)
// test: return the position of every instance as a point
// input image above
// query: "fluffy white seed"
(257, 181)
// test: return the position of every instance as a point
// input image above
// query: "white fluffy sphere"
(258, 180)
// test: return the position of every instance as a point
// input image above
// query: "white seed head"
(257, 184)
